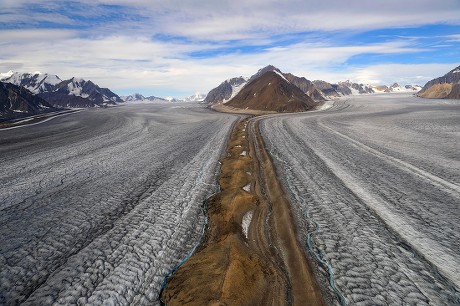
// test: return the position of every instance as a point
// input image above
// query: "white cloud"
(401, 73)
(237, 20)
(119, 52)
(124, 62)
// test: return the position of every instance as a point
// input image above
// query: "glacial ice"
(98, 206)
(379, 176)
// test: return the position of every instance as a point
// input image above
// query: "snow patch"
(328, 104)
(247, 188)
(247, 218)
(6, 74)
(244, 153)
(281, 75)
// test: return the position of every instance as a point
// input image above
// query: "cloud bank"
(179, 47)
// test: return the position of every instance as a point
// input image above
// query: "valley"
(99, 206)
(375, 184)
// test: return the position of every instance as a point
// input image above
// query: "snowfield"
(98, 206)
(375, 184)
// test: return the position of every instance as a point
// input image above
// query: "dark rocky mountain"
(64, 93)
(394, 86)
(262, 71)
(271, 91)
(413, 87)
(359, 88)
(445, 87)
(306, 86)
(332, 90)
(229, 88)
(454, 92)
(225, 91)
(80, 93)
(18, 102)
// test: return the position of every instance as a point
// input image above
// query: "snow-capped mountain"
(348, 87)
(396, 88)
(272, 91)
(225, 91)
(17, 102)
(36, 83)
(140, 98)
(74, 92)
(407, 88)
(6, 75)
(317, 90)
(228, 89)
(197, 97)
(357, 88)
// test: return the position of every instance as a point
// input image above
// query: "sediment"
(250, 254)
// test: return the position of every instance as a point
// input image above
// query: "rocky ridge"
(18, 102)
(445, 87)
(74, 92)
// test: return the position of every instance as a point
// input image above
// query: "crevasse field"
(98, 206)
(375, 183)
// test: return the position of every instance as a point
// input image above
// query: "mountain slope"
(17, 102)
(63, 93)
(225, 91)
(445, 87)
(332, 90)
(230, 88)
(271, 91)
(306, 86)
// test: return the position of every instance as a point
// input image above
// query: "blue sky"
(176, 48)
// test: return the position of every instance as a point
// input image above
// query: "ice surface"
(379, 180)
(247, 218)
(98, 206)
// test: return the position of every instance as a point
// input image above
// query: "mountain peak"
(455, 70)
(6, 74)
(271, 91)
(445, 87)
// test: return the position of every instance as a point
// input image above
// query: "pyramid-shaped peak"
(262, 71)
